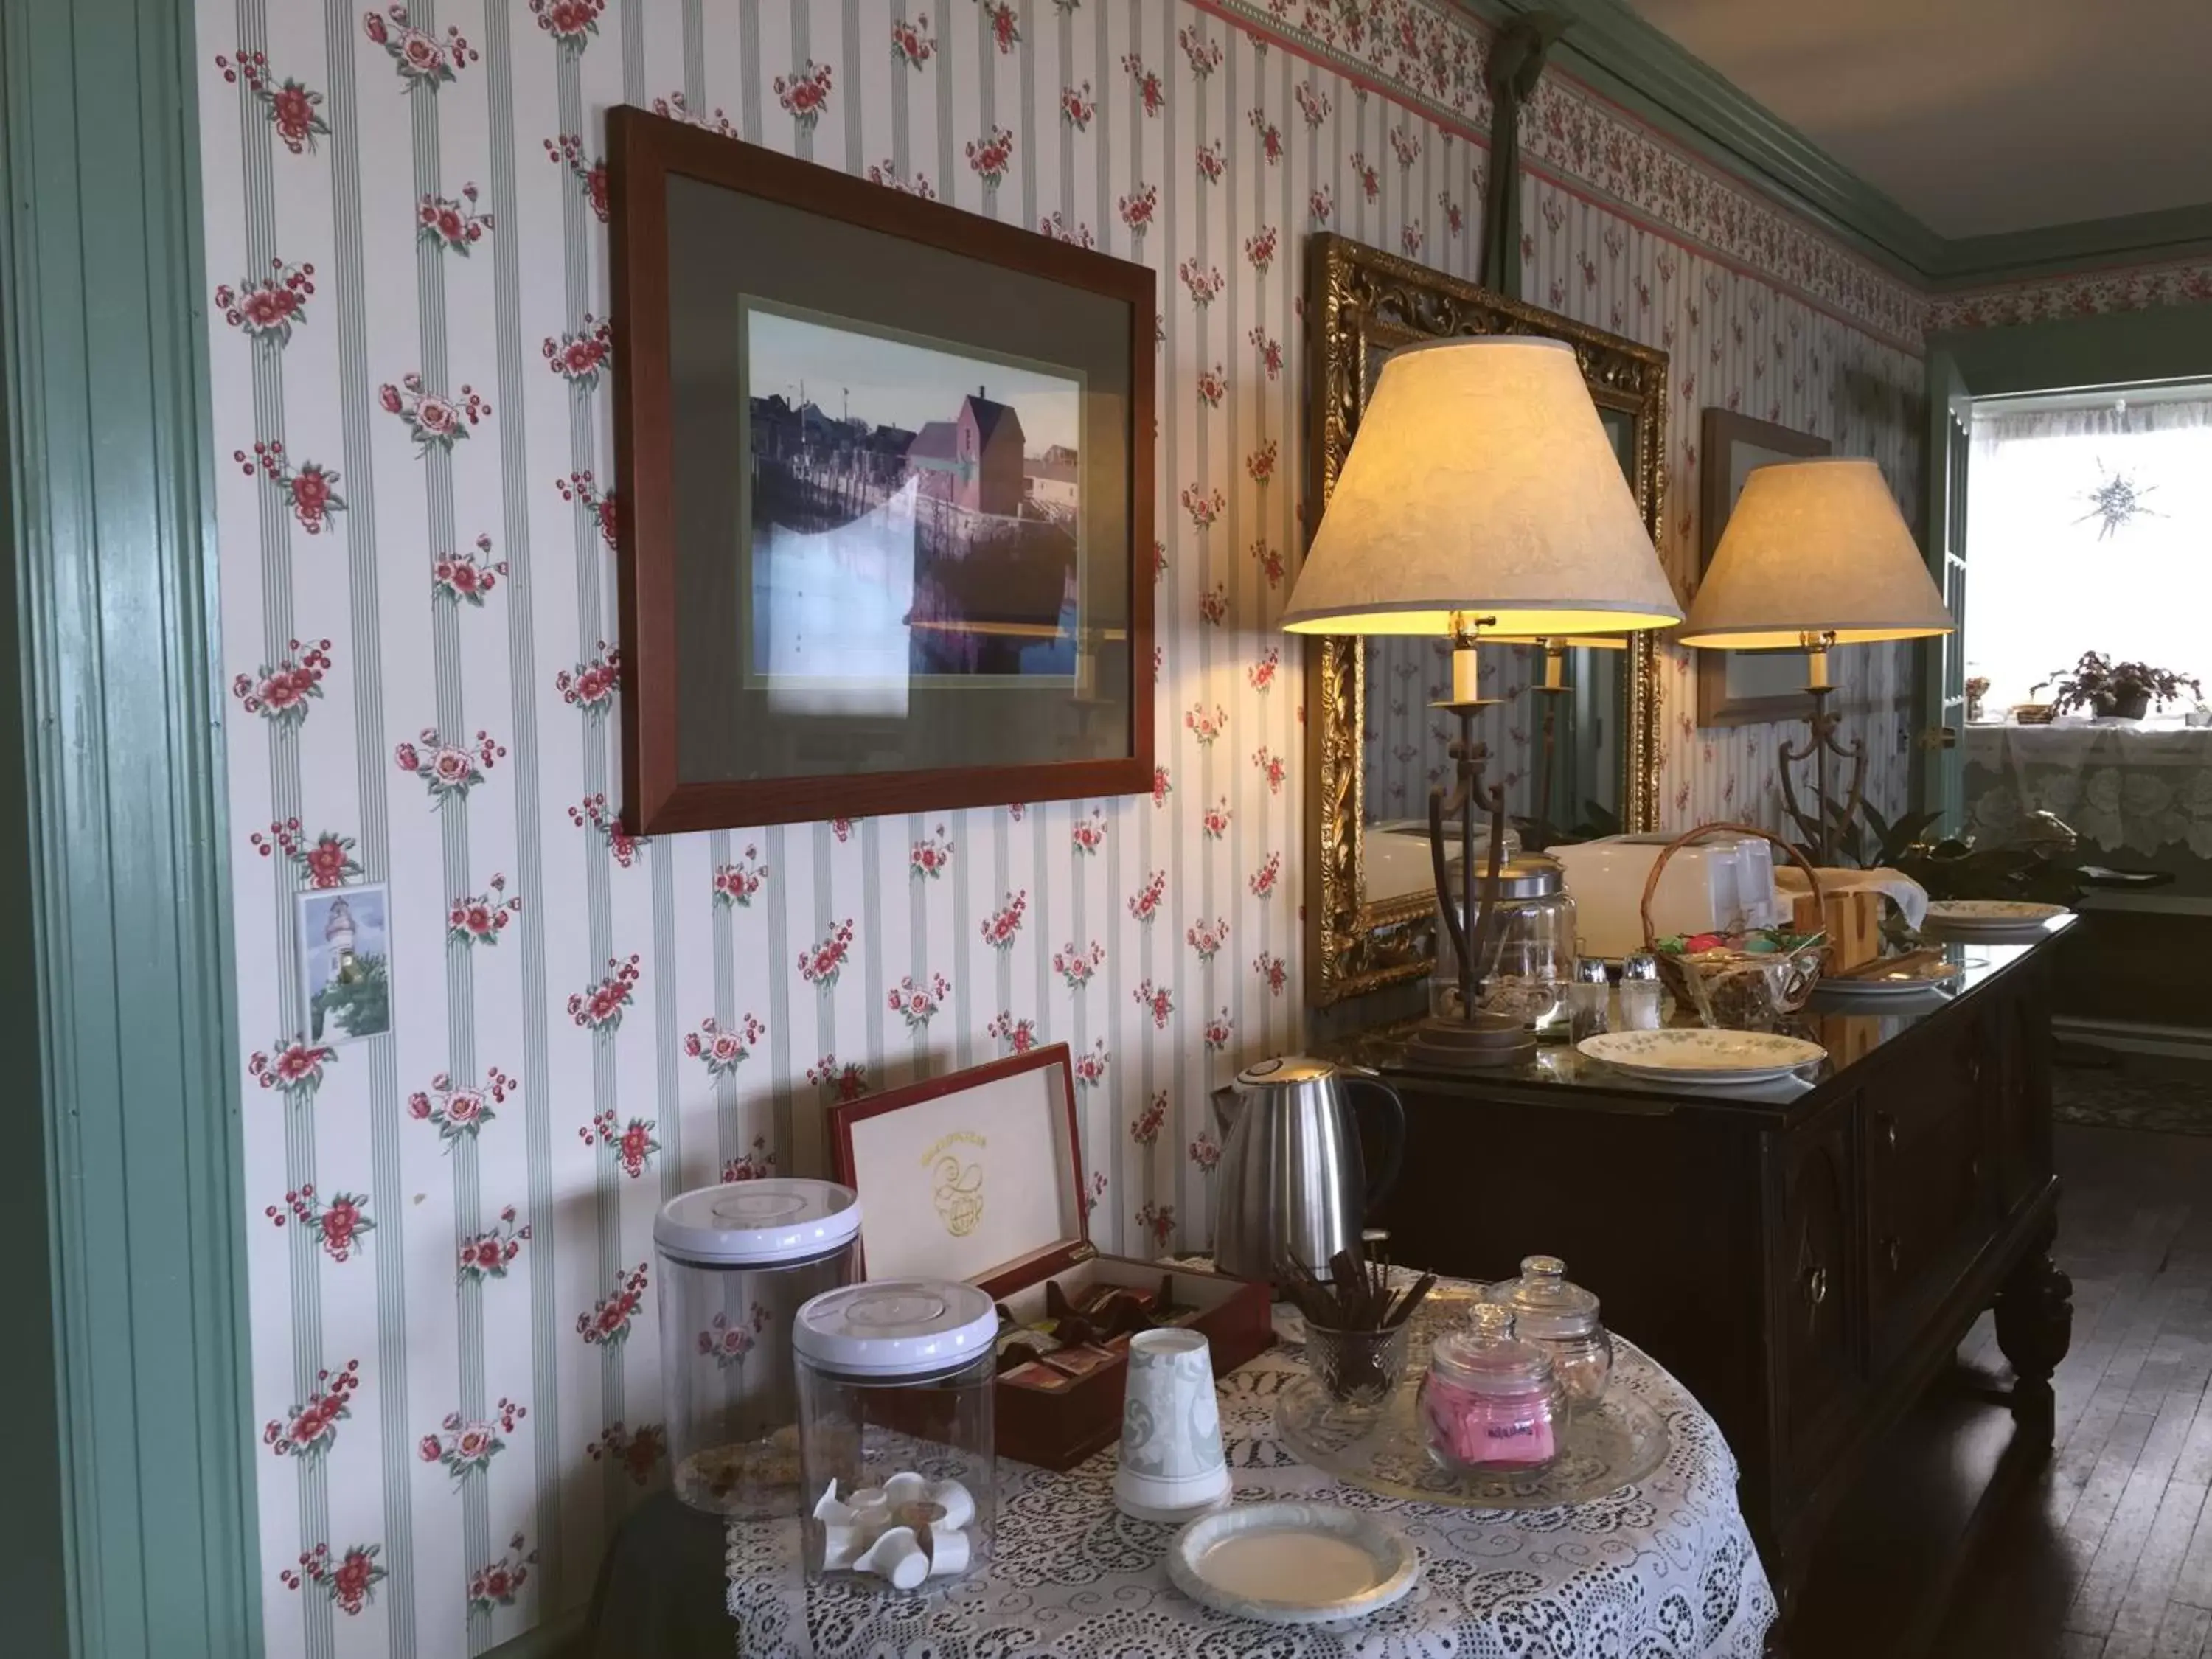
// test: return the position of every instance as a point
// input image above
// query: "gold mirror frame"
(1359, 299)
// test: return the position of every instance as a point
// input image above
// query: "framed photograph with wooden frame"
(883, 496)
(1744, 688)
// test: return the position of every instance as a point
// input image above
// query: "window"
(2089, 528)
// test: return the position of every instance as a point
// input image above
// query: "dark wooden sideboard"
(1805, 1259)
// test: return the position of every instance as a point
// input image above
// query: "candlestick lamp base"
(1486, 1040)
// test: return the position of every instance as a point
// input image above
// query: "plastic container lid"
(894, 1327)
(1545, 1306)
(757, 1224)
(1488, 1357)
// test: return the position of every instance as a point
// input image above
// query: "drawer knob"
(1892, 1249)
(1888, 1126)
(1816, 1287)
(1973, 1068)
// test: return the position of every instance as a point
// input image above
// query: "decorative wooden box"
(979, 1175)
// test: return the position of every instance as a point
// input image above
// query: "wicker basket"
(1735, 990)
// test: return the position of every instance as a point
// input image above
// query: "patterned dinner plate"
(2004, 915)
(1917, 980)
(1709, 1056)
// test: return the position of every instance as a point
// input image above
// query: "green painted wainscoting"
(126, 1522)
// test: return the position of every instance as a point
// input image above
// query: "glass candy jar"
(896, 1380)
(736, 1262)
(1491, 1403)
(1529, 961)
(1563, 1318)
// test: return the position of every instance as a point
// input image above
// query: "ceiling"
(1979, 116)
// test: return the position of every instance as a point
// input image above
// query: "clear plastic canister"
(738, 1262)
(896, 1386)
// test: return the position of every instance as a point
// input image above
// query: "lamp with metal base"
(1481, 492)
(1815, 556)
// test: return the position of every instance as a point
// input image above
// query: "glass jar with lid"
(1491, 1402)
(736, 1262)
(1529, 960)
(1562, 1317)
(896, 1381)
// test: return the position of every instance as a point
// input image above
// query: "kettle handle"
(1393, 1156)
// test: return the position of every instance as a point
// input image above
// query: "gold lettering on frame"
(955, 1188)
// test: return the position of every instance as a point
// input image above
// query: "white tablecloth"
(1662, 1570)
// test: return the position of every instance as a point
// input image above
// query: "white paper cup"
(897, 1556)
(1171, 1466)
(948, 1552)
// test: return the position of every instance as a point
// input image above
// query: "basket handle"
(1651, 881)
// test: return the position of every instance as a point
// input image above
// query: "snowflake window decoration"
(2116, 501)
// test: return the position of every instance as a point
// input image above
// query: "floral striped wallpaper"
(454, 1349)
(2078, 294)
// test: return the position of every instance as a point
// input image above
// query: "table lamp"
(1481, 492)
(1816, 554)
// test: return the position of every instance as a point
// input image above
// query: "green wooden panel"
(137, 1537)
(2166, 342)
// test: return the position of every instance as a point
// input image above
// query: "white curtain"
(2048, 579)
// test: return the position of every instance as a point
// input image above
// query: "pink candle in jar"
(1491, 1401)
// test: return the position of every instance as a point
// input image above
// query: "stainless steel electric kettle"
(1293, 1180)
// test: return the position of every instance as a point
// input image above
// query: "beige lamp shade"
(1813, 547)
(1481, 482)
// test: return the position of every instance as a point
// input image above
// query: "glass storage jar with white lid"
(738, 1262)
(1563, 1316)
(1491, 1402)
(896, 1384)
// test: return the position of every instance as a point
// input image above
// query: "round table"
(1663, 1569)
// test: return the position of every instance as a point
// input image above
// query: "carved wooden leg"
(2035, 1327)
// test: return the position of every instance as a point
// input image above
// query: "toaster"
(1723, 883)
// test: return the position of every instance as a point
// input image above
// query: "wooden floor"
(2109, 1552)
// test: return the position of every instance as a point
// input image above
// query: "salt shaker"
(1587, 996)
(1640, 992)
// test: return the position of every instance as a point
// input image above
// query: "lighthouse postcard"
(345, 962)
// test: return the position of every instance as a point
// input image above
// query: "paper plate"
(1705, 1055)
(1293, 1564)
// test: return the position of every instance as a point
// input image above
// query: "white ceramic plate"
(1708, 1056)
(2002, 915)
(1933, 977)
(1293, 1564)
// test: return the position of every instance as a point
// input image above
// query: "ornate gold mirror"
(1373, 745)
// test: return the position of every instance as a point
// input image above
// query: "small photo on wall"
(345, 957)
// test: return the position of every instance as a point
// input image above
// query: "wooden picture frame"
(901, 266)
(1743, 688)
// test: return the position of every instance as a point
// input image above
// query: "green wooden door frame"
(126, 1525)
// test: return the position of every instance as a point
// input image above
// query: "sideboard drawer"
(1929, 1186)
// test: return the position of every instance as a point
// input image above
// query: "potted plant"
(1978, 687)
(2125, 690)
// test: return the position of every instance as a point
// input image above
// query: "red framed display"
(884, 498)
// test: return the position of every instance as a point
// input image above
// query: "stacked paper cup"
(1171, 1465)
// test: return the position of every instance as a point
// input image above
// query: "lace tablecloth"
(2125, 787)
(1662, 1570)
